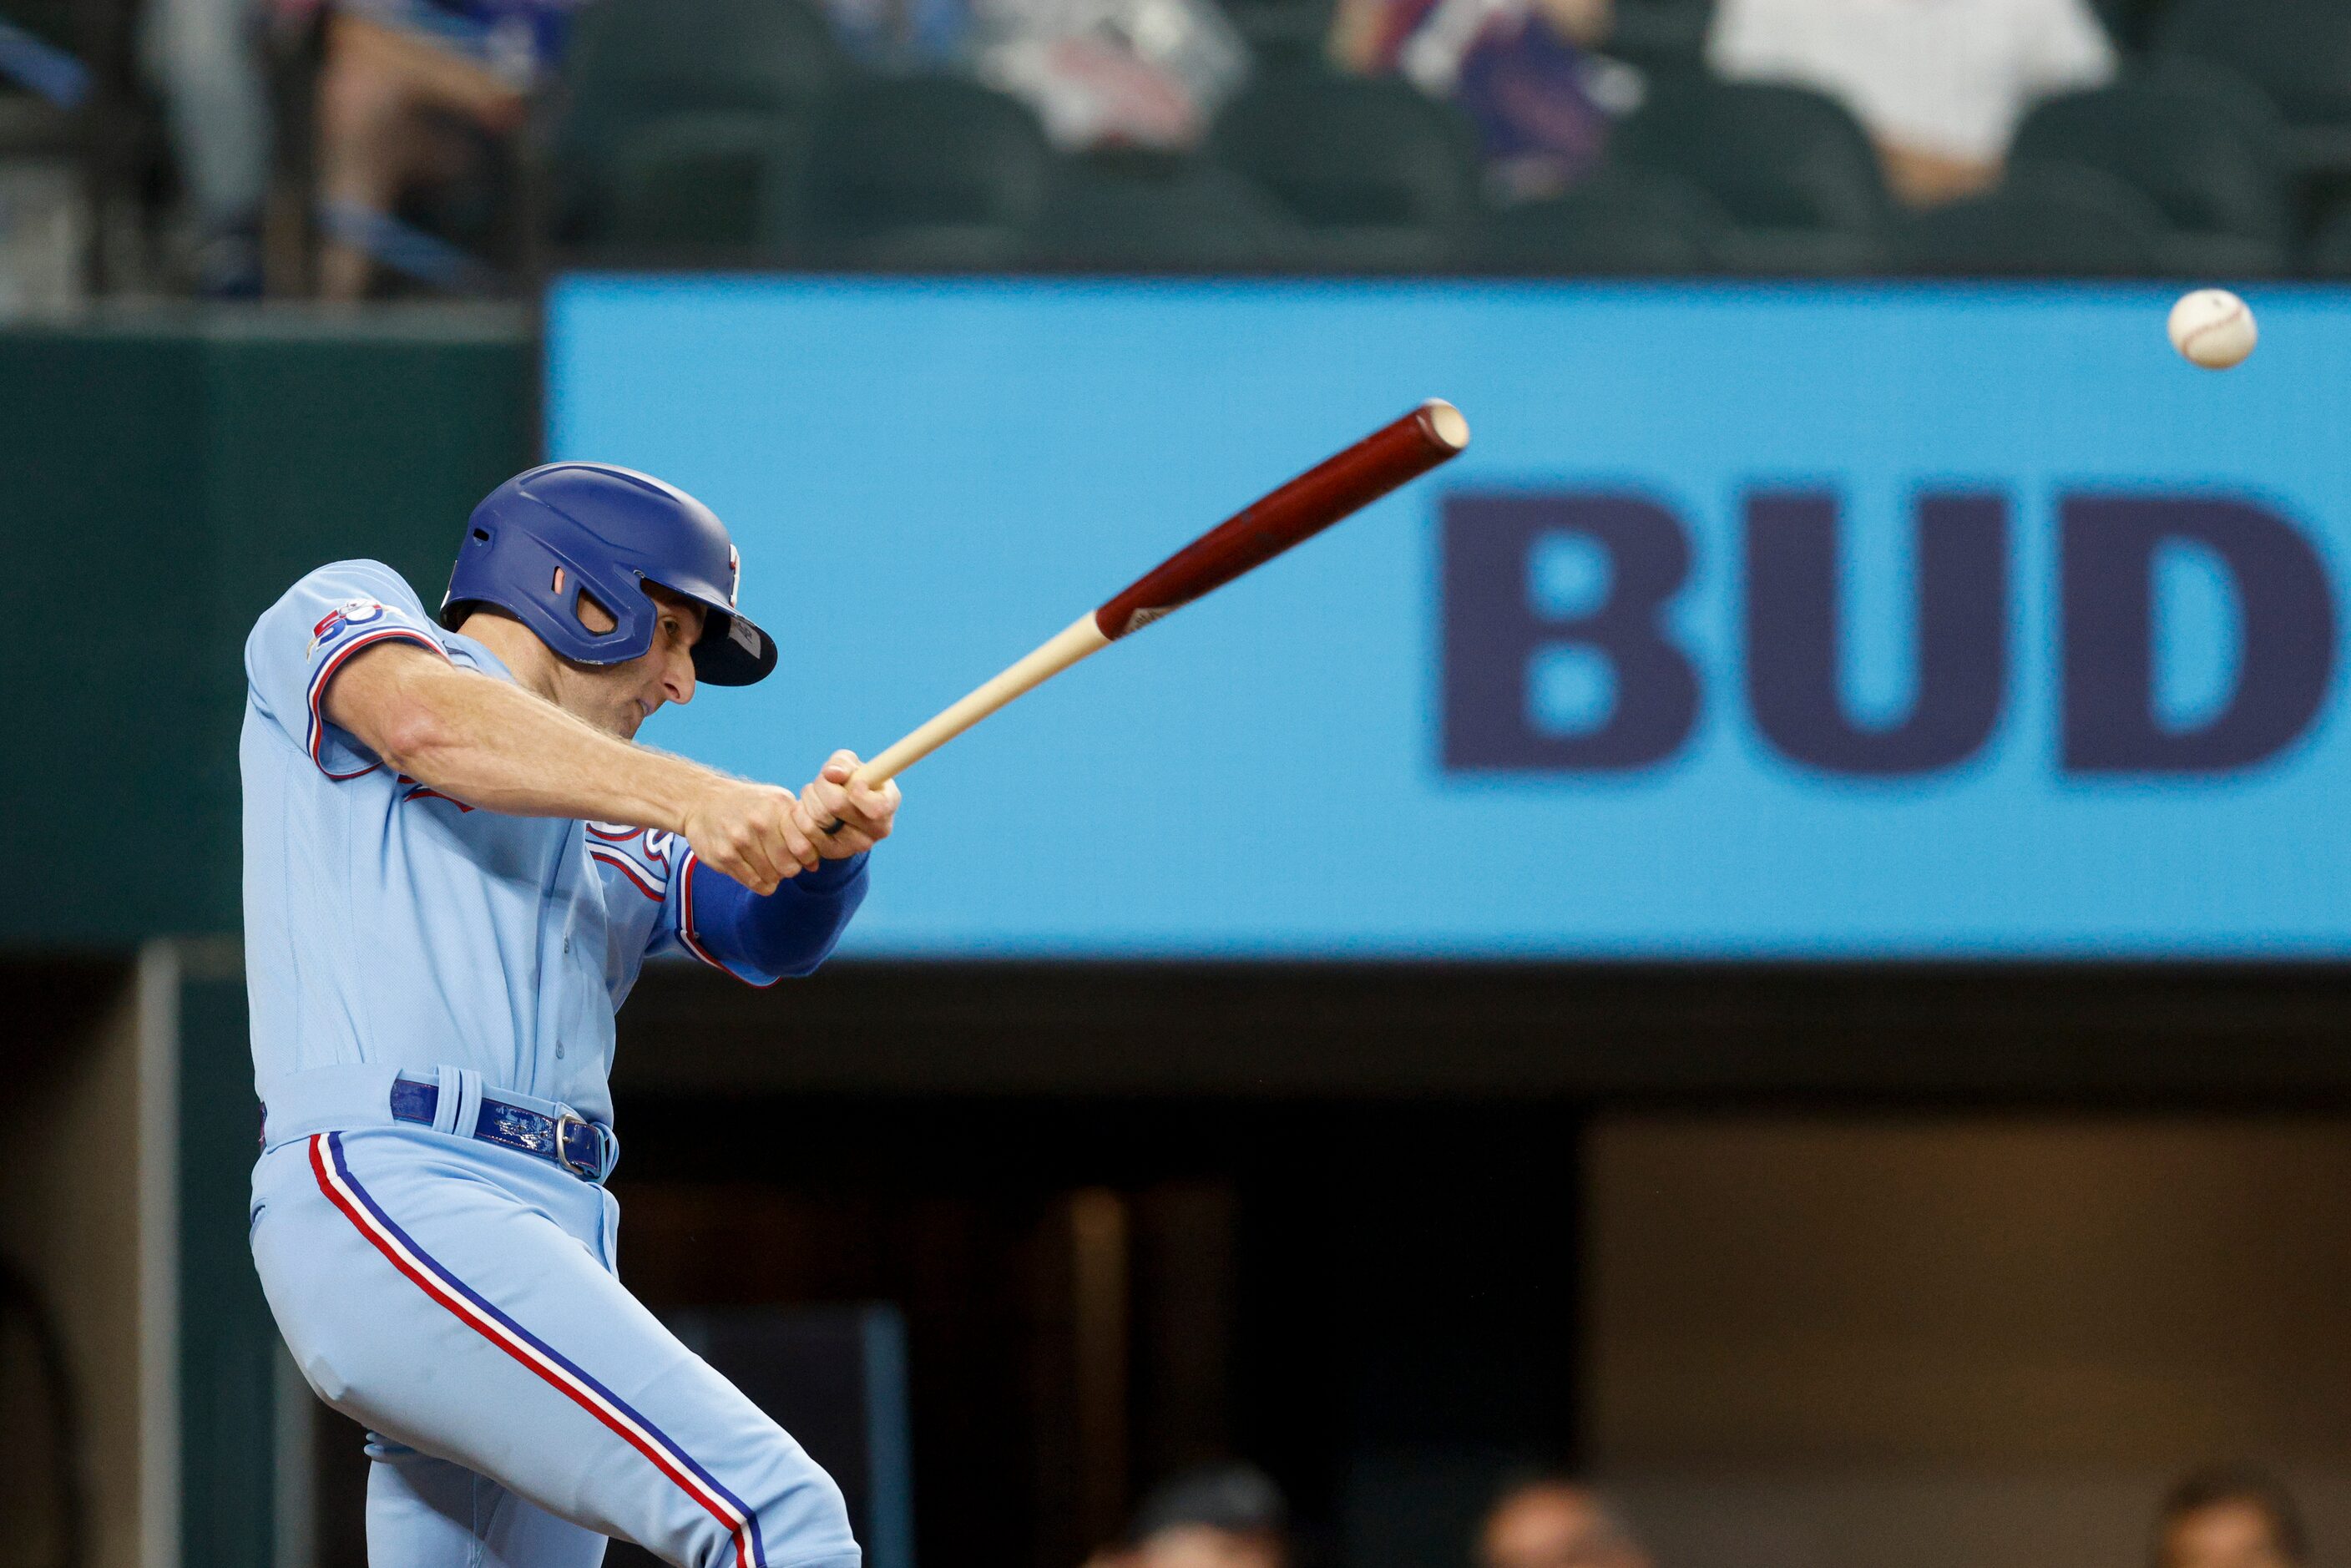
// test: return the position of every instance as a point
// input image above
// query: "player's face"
(620, 698)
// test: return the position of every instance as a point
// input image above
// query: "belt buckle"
(562, 1153)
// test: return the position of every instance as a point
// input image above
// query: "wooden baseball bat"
(1299, 510)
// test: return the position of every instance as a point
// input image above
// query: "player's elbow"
(413, 738)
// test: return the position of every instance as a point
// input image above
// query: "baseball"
(2212, 328)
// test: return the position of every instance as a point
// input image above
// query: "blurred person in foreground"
(1939, 84)
(1528, 73)
(1553, 1521)
(2228, 1516)
(1220, 1516)
(402, 83)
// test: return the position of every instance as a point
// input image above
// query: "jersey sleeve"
(301, 641)
(760, 940)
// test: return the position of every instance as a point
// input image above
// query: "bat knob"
(1444, 421)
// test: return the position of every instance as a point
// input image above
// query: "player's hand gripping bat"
(1299, 510)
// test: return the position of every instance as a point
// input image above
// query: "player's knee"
(803, 1518)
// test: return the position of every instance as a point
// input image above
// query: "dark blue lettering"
(2286, 658)
(1793, 635)
(1497, 629)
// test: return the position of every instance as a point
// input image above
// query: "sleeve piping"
(315, 740)
(686, 933)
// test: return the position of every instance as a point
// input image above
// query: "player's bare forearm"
(493, 744)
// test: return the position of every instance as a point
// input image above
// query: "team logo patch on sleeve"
(350, 613)
(643, 858)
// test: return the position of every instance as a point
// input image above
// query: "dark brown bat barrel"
(1299, 510)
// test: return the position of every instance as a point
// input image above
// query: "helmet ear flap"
(532, 577)
(595, 617)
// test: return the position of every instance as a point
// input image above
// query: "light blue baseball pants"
(459, 1299)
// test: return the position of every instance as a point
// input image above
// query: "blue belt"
(587, 1149)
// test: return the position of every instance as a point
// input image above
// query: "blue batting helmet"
(547, 535)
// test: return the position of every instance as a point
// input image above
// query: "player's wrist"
(685, 793)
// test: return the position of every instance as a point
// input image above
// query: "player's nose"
(677, 682)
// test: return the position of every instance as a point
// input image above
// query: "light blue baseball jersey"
(386, 923)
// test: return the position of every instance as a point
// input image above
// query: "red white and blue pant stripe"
(425, 1287)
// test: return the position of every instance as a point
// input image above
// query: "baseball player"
(456, 861)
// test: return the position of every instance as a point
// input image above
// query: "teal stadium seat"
(1620, 223)
(1791, 167)
(925, 172)
(1135, 213)
(1282, 34)
(705, 185)
(2209, 152)
(688, 122)
(1382, 177)
(2298, 52)
(2128, 22)
(2328, 255)
(2054, 219)
(1664, 37)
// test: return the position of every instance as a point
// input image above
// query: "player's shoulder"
(358, 578)
(329, 600)
(361, 589)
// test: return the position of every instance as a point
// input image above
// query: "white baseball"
(2212, 328)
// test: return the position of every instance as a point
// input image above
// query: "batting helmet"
(546, 535)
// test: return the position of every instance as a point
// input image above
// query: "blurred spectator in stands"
(1527, 72)
(901, 35)
(1551, 1520)
(1940, 84)
(206, 58)
(1221, 1516)
(1105, 73)
(2229, 1517)
(402, 83)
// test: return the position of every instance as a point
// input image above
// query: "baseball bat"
(1324, 494)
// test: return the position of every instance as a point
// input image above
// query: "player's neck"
(530, 662)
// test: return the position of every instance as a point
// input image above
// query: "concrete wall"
(1839, 1342)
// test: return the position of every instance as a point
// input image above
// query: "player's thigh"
(423, 1512)
(452, 1318)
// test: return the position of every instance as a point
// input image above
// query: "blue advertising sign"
(1757, 621)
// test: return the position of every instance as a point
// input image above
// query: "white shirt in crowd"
(1948, 78)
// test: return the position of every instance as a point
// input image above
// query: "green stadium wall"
(168, 476)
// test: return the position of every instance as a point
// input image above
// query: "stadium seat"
(1664, 37)
(713, 183)
(1793, 168)
(2128, 22)
(1282, 33)
(2298, 52)
(1382, 177)
(2328, 252)
(1139, 214)
(923, 171)
(739, 79)
(2055, 220)
(1619, 223)
(2209, 153)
